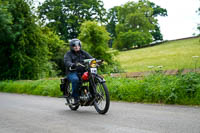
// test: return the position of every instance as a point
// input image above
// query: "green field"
(171, 55)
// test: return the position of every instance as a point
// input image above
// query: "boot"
(76, 101)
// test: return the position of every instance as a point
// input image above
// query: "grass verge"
(157, 88)
(43, 87)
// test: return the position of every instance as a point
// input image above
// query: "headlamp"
(93, 63)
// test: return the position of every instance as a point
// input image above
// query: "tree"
(137, 22)
(112, 21)
(25, 49)
(57, 49)
(66, 16)
(142, 14)
(95, 39)
(5, 22)
(157, 11)
(198, 26)
(128, 39)
(112, 17)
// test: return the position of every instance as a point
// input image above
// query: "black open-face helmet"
(74, 42)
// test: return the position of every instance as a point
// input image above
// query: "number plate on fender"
(93, 70)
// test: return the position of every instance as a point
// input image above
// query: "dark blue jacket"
(72, 57)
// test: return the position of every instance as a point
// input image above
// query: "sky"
(181, 21)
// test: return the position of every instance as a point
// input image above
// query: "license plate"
(93, 70)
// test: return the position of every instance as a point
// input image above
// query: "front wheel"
(102, 101)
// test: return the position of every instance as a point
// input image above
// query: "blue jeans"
(73, 78)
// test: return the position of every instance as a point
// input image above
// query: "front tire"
(102, 101)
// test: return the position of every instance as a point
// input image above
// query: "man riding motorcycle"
(72, 58)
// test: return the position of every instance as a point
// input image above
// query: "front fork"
(93, 84)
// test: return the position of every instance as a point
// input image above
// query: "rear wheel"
(72, 107)
(69, 100)
(102, 101)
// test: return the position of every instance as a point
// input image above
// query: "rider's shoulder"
(84, 52)
(69, 52)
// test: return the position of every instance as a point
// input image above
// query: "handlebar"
(78, 64)
(99, 62)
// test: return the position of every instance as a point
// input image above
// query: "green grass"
(44, 87)
(157, 88)
(170, 55)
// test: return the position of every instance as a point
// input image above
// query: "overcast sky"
(181, 21)
(182, 18)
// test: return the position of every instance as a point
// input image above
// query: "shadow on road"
(80, 112)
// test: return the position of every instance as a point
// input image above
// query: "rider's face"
(76, 48)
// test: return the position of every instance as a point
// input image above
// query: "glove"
(73, 66)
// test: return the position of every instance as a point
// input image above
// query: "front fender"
(101, 79)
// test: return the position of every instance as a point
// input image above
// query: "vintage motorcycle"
(92, 91)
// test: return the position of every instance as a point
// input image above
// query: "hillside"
(170, 55)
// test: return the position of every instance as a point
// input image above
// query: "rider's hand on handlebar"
(76, 65)
(79, 64)
(73, 66)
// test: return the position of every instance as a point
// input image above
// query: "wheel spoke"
(69, 101)
(101, 98)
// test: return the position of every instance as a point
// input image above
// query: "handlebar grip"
(79, 64)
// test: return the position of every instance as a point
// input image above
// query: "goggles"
(76, 43)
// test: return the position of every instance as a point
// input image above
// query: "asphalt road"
(37, 114)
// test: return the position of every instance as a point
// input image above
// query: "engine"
(85, 94)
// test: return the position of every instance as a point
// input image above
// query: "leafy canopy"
(138, 17)
(198, 26)
(66, 16)
(25, 47)
(95, 39)
(135, 20)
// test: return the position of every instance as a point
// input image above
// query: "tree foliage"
(135, 19)
(25, 47)
(198, 26)
(157, 11)
(5, 22)
(112, 21)
(126, 40)
(112, 17)
(138, 17)
(95, 39)
(57, 49)
(66, 16)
